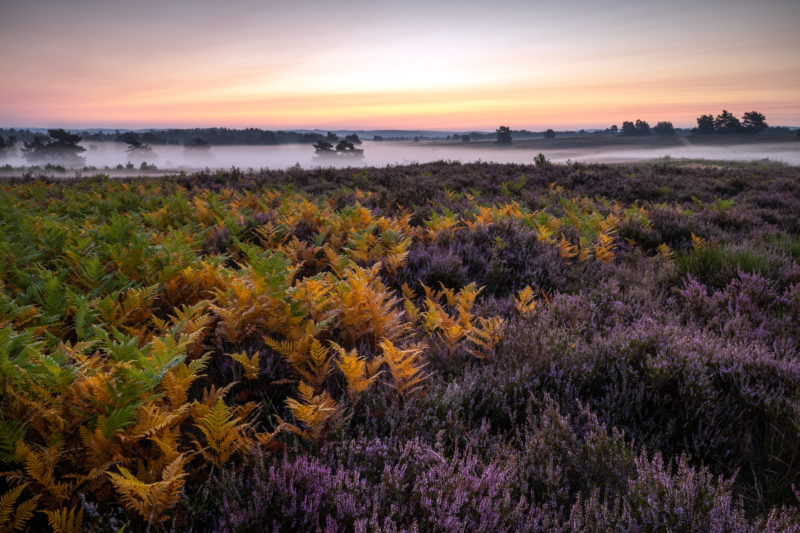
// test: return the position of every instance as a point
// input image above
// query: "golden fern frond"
(354, 369)
(315, 412)
(610, 224)
(665, 251)
(405, 366)
(319, 364)
(151, 419)
(431, 294)
(487, 336)
(211, 396)
(584, 248)
(524, 303)
(177, 381)
(249, 364)
(604, 250)
(152, 501)
(452, 335)
(697, 242)
(224, 434)
(465, 301)
(40, 467)
(14, 518)
(65, 520)
(408, 292)
(566, 249)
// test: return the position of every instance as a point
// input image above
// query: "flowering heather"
(440, 347)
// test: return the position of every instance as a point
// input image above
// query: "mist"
(109, 155)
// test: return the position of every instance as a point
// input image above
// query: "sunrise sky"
(383, 64)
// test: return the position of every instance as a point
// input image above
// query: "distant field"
(430, 347)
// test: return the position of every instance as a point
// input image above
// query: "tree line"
(726, 122)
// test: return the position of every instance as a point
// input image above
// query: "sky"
(384, 64)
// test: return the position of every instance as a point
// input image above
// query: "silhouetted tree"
(613, 130)
(377, 138)
(503, 135)
(323, 147)
(642, 128)
(465, 139)
(345, 146)
(59, 146)
(705, 124)
(629, 129)
(197, 145)
(726, 122)
(754, 122)
(353, 138)
(133, 142)
(664, 129)
(549, 134)
(331, 137)
(7, 145)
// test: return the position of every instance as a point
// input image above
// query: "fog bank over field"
(170, 157)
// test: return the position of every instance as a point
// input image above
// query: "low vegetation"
(438, 347)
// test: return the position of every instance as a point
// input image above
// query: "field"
(436, 347)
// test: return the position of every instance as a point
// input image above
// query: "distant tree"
(353, 138)
(629, 129)
(345, 146)
(613, 130)
(503, 135)
(541, 161)
(197, 144)
(59, 146)
(133, 142)
(331, 137)
(797, 133)
(465, 139)
(323, 147)
(549, 134)
(642, 128)
(7, 145)
(377, 138)
(726, 122)
(705, 124)
(754, 122)
(664, 129)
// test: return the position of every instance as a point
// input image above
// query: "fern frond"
(524, 303)
(249, 364)
(65, 520)
(152, 501)
(487, 336)
(406, 368)
(224, 434)
(665, 251)
(315, 412)
(566, 249)
(354, 369)
(14, 519)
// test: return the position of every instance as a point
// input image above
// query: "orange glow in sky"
(401, 65)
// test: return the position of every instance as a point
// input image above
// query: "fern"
(250, 365)
(13, 516)
(317, 413)
(151, 501)
(486, 337)
(406, 368)
(224, 434)
(524, 303)
(65, 520)
(355, 370)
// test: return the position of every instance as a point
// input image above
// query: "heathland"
(431, 347)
